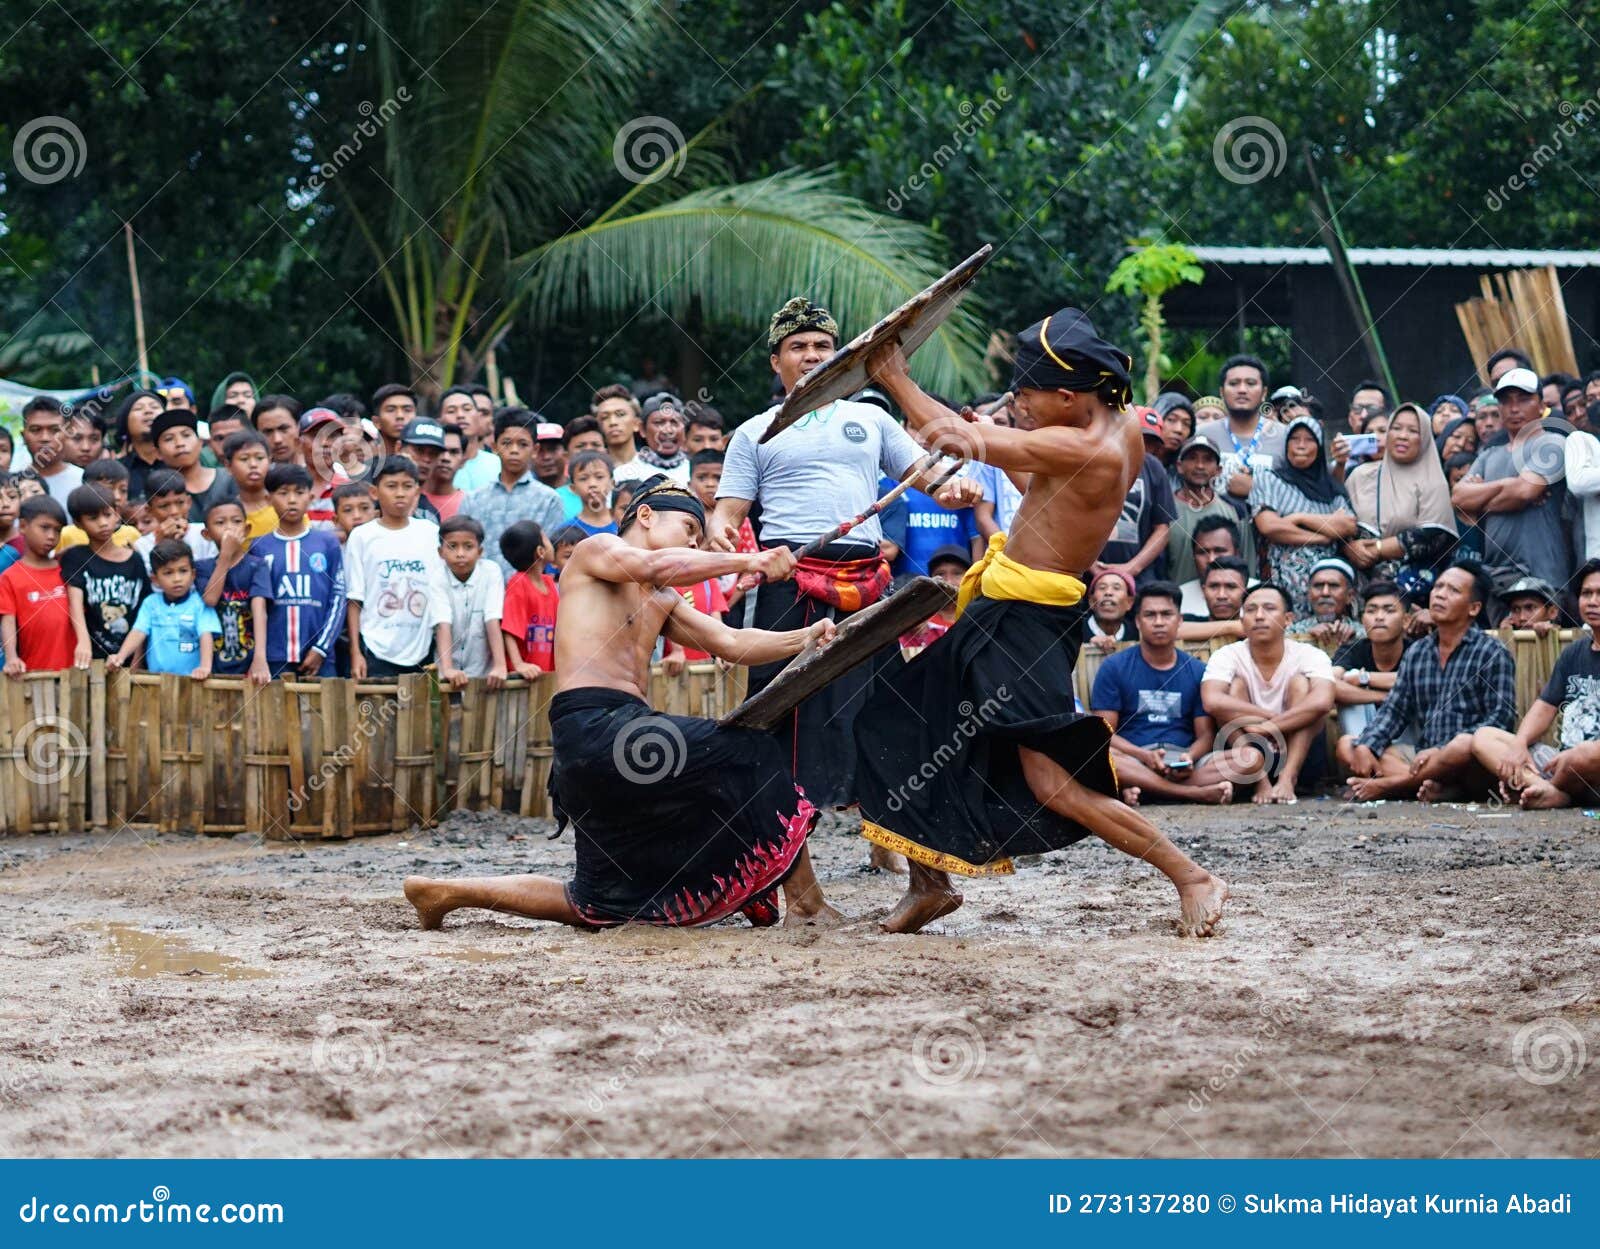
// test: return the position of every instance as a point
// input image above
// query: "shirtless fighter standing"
(677, 820)
(994, 760)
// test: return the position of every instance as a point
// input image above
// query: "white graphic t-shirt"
(389, 572)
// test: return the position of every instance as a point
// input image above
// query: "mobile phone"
(1176, 761)
(1362, 444)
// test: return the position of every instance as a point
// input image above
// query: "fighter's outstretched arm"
(691, 628)
(608, 558)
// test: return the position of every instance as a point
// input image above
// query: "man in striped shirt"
(306, 572)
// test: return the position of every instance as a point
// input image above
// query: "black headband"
(661, 494)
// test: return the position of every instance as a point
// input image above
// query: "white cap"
(1518, 379)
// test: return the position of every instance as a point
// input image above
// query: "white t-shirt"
(389, 571)
(63, 482)
(472, 604)
(200, 546)
(1299, 658)
(823, 469)
(637, 470)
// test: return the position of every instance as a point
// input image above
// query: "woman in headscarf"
(1300, 512)
(1446, 408)
(1402, 502)
(1460, 435)
(137, 450)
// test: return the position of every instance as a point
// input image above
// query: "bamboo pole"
(138, 305)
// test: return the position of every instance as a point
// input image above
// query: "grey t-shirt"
(1534, 539)
(1267, 448)
(821, 470)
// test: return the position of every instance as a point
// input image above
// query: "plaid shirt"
(497, 509)
(1475, 688)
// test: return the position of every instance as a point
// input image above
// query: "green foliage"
(1148, 273)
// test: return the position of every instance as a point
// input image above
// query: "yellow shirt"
(72, 536)
(260, 523)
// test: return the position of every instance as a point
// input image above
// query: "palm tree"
(499, 176)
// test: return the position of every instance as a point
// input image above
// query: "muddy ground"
(1391, 980)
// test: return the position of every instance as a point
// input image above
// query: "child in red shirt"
(707, 599)
(529, 617)
(35, 616)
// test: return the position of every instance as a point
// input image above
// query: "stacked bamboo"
(1523, 308)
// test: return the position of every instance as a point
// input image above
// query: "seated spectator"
(111, 477)
(393, 621)
(1364, 671)
(1332, 592)
(1270, 692)
(1515, 489)
(105, 580)
(36, 629)
(353, 505)
(1402, 501)
(591, 478)
(1137, 545)
(1110, 600)
(1532, 604)
(529, 622)
(1535, 774)
(948, 564)
(306, 614)
(471, 643)
(1300, 512)
(1223, 595)
(177, 625)
(1451, 683)
(237, 585)
(168, 504)
(1149, 696)
(1215, 537)
(1195, 500)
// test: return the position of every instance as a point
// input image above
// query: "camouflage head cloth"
(800, 316)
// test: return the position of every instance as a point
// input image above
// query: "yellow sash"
(1001, 577)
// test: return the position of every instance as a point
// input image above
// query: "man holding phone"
(1149, 696)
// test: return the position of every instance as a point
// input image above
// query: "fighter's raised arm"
(607, 558)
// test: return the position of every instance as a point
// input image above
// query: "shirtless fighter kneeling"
(677, 820)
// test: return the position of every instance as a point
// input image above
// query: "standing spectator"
(353, 506)
(550, 465)
(1402, 502)
(36, 631)
(1581, 454)
(277, 418)
(1539, 775)
(1460, 435)
(563, 542)
(322, 434)
(393, 407)
(237, 585)
(1138, 542)
(392, 619)
(591, 478)
(529, 622)
(1194, 499)
(422, 442)
(245, 454)
(44, 433)
(1222, 590)
(111, 477)
(617, 411)
(1177, 428)
(1515, 489)
(515, 495)
(1486, 416)
(1300, 512)
(928, 527)
(1331, 593)
(479, 465)
(10, 508)
(438, 486)
(663, 451)
(1215, 537)
(1451, 683)
(168, 503)
(1532, 604)
(177, 393)
(1270, 692)
(238, 390)
(1245, 439)
(474, 593)
(1369, 412)
(178, 443)
(582, 433)
(1446, 409)
(1149, 696)
(948, 564)
(221, 424)
(305, 582)
(105, 580)
(1111, 595)
(132, 433)
(82, 442)
(1364, 671)
(704, 430)
(176, 624)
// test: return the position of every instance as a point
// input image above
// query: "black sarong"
(677, 821)
(937, 769)
(816, 735)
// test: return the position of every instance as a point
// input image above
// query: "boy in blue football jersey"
(237, 587)
(305, 580)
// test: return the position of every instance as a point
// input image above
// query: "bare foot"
(1200, 906)
(1263, 792)
(1364, 789)
(884, 859)
(1219, 794)
(919, 908)
(1283, 791)
(1432, 791)
(818, 915)
(1130, 795)
(1541, 795)
(430, 897)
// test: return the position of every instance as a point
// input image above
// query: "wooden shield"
(913, 323)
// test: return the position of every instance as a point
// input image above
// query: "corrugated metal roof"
(1472, 258)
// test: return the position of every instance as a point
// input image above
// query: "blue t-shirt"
(927, 528)
(1153, 707)
(250, 578)
(172, 631)
(591, 530)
